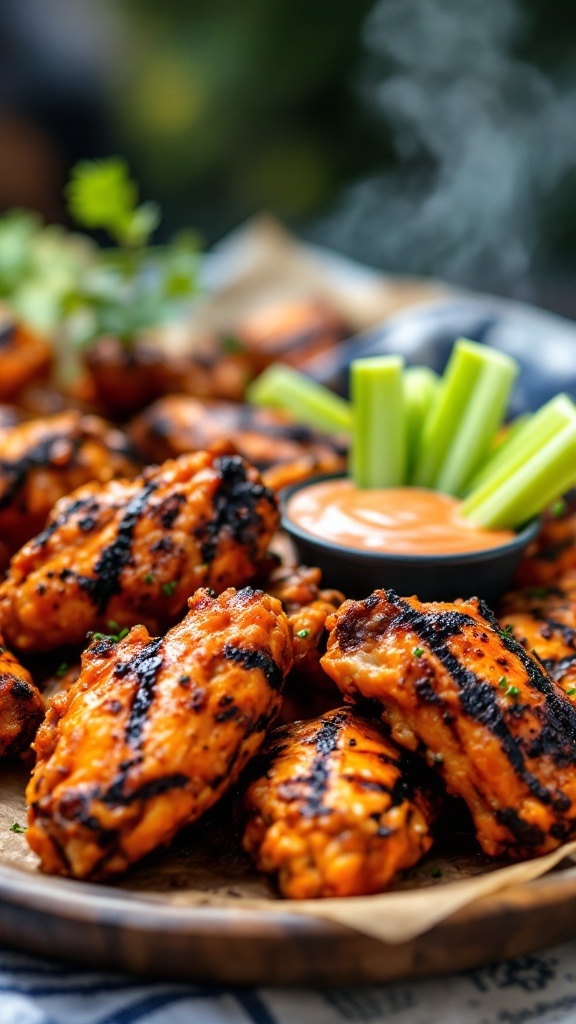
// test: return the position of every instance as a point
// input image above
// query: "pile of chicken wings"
(155, 655)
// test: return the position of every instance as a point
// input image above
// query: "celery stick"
(420, 389)
(379, 435)
(533, 435)
(462, 422)
(544, 476)
(282, 387)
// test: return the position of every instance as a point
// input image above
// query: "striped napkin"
(538, 989)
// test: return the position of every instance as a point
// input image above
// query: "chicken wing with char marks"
(265, 437)
(131, 552)
(543, 620)
(486, 714)
(337, 809)
(154, 732)
(42, 460)
(21, 706)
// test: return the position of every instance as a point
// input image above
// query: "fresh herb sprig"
(132, 286)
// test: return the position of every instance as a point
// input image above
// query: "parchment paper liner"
(203, 876)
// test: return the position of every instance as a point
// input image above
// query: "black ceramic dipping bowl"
(486, 574)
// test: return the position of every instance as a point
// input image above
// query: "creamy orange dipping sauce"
(396, 520)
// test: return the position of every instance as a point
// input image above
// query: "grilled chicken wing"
(154, 732)
(265, 437)
(42, 460)
(21, 706)
(290, 331)
(133, 551)
(485, 712)
(24, 357)
(543, 620)
(336, 811)
(309, 691)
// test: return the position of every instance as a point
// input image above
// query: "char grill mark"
(325, 741)
(235, 503)
(115, 795)
(558, 669)
(478, 698)
(250, 659)
(108, 569)
(39, 456)
(145, 667)
(89, 504)
(7, 332)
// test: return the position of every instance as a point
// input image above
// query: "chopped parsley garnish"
(169, 588)
(303, 633)
(558, 508)
(418, 652)
(512, 691)
(62, 669)
(148, 577)
(571, 692)
(112, 638)
(507, 631)
(503, 683)
(19, 829)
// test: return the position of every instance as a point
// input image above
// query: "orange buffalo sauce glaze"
(396, 520)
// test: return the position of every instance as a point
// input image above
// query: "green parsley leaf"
(303, 633)
(169, 588)
(62, 669)
(19, 829)
(503, 683)
(418, 652)
(512, 691)
(102, 195)
(571, 692)
(558, 508)
(507, 631)
(148, 577)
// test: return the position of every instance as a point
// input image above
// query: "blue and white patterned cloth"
(538, 989)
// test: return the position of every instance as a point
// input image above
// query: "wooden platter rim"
(83, 900)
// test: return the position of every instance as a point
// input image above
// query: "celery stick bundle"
(408, 426)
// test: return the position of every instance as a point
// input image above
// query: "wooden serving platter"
(143, 926)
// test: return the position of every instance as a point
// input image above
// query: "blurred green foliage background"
(422, 136)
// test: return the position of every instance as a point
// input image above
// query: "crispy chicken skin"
(42, 460)
(21, 706)
(133, 551)
(543, 620)
(335, 810)
(265, 437)
(24, 357)
(154, 732)
(485, 712)
(309, 691)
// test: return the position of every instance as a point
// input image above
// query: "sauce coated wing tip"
(154, 732)
(335, 810)
(452, 684)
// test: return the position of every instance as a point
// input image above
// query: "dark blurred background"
(421, 136)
